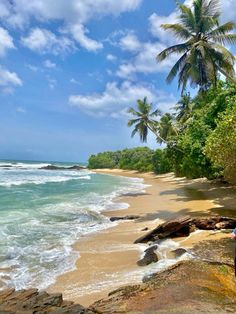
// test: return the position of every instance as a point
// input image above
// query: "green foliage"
(221, 144)
(139, 158)
(161, 162)
(142, 159)
(190, 160)
(104, 160)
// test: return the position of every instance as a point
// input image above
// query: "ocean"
(44, 212)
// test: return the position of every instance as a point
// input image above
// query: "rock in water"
(149, 257)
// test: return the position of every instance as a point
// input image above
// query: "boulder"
(174, 227)
(128, 217)
(52, 167)
(149, 256)
(178, 252)
(32, 301)
(216, 222)
(183, 226)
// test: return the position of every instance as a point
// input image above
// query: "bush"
(221, 144)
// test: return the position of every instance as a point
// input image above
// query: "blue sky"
(69, 69)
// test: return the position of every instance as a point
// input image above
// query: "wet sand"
(108, 258)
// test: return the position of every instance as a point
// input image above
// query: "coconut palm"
(184, 108)
(203, 55)
(144, 120)
(167, 128)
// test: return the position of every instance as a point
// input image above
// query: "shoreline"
(108, 258)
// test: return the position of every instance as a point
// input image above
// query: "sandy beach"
(108, 258)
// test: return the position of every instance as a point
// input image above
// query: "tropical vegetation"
(199, 134)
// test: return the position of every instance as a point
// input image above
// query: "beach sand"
(108, 258)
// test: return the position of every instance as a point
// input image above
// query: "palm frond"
(212, 8)
(179, 30)
(171, 50)
(132, 122)
(175, 69)
(225, 39)
(222, 29)
(133, 112)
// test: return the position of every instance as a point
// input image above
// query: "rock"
(174, 227)
(149, 257)
(145, 229)
(128, 217)
(183, 226)
(216, 222)
(32, 301)
(178, 252)
(52, 167)
(187, 287)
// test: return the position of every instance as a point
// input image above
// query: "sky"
(70, 69)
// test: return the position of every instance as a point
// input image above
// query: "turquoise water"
(43, 213)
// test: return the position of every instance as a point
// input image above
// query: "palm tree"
(167, 128)
(144, 120)
(203, 55)
(184, 108)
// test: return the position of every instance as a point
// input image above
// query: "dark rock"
(129, 217)
(145, 229)
(178, 252)
(183, 226)
(216, 222)
(52, 167)
(149, 257)
(172, 228)
(32, 301)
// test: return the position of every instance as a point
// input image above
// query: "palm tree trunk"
(162, 139)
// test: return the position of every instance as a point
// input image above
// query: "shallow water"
(44, 212)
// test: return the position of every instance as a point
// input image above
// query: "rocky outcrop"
(52, 167)
(188, 287)
(149, 256)
(34, 302)
(170, 228)
(128, 217)
(183, 226)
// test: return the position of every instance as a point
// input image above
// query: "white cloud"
(6, 41)
(74, 81)
(20, 110)
(130, 43)
(155, 22)
(73, 15)
(78, 31)
(51, 82)
(145, 61)
(49, 64)
(116, 99)
(9, 80)
(44, 41)
(111, 58)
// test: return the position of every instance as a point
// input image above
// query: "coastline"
(108, 258)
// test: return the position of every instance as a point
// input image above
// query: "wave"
(36, 241)
(42, 180)
(21, 165)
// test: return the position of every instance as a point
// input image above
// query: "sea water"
(43, 213)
